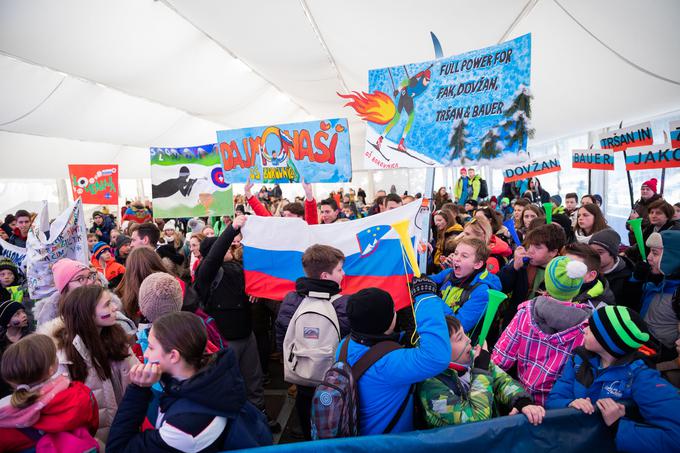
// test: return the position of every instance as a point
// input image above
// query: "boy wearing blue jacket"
(465, 286)
(608, 370)
(387, 384)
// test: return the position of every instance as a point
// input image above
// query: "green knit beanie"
(564, 277)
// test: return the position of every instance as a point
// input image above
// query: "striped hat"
(564, 277)
(619, 330)
(99, 248)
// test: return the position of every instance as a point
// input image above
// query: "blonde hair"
(27, 363)
(481, 226)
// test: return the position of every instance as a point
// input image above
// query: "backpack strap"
(400, 411)
(374, 354)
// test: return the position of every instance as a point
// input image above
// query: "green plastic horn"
(495, 299)
(548, 212)
(636, 227)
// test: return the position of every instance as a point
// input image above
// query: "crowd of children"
(154, 344)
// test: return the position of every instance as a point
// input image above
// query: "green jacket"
(475, 183)
(444, 405)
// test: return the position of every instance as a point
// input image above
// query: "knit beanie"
(7, 264)
(564, 277)
(169, 225)
(618, 329)
(97, 214)
(505, 200)
(651, 184)
(654, 240)
(7, 309)
(99, 248)
(122, 240)
(159, 294)
(196, 225)
(556, 199)
(370, 311)
(64, 270)
(608, 239)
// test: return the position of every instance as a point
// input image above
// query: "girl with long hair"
(198, 391)
(93, 349)
(142, 262)
(590, 220)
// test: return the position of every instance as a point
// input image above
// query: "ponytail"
(25, 365)
(23, 396)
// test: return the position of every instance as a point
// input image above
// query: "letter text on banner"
(94, 184)
(675, 134)
(628, 137)
(592, 159)
(655, 156)
(317, 151)
(548, 164)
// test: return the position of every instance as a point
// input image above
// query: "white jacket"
(108, 393)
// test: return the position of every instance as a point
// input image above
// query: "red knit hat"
(651, 184)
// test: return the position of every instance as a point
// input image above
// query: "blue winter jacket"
(472, 310)
(384, 386)
(628, 379)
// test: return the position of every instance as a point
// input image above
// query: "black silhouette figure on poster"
(169, 187)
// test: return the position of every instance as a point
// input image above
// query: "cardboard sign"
(675, 133)
(592, 159)
(14, 253)
(189, 182)
(473, 107)
(67, 239)
(532, 169)
(655, 156)
(317, 151)
(628, 137)
(94, 184)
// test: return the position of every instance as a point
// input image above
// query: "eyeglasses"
(92, 276)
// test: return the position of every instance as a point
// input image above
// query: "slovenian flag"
(378, 252)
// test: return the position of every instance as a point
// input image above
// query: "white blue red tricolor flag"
(374, 256)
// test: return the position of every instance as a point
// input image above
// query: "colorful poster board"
(675, 133)
(94, 183)
(656, 156)
(628, 137)
(14, 253)
(189, 182)
(318, 151)
(67, 239)
(592, 159)
(470, 107)
(536, 167)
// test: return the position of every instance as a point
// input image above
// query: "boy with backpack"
(609, 369)
(382, 373)
(545, 330)
(310, 324)
(465, 285)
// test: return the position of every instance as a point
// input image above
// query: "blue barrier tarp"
(562, 430)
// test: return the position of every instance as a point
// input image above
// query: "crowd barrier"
(562, 430)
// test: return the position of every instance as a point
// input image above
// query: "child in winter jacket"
(609, 369)
(105, 263)
(10, 280)
(465, 286)
(203, 406)
(472, 388)
(545, 330)
(93, 349)
(43, 404)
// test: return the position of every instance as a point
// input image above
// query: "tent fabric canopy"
(97, 81)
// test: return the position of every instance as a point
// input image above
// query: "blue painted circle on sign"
(217, 176)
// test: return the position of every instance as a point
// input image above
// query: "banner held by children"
(94, 183)
(655, 156)
(67, 239)
(592, 159)
(536, 167)
(628, 137)
(14, 253)
(273, 248)
(318, 151)
(474, 106)
(189, 182)
(675, 133)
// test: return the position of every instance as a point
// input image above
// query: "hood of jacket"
(498, 246)
(321, 289)
(218, 386)
(553, 316)
(597, 291)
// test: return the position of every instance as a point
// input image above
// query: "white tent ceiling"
(95, 81)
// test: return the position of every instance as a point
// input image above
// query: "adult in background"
(102, 226)
(20, 232)
(648, 195)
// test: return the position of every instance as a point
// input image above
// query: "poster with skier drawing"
(473, 107)
(189, 182)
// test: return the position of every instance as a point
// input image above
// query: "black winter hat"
(168, 251)
(7, 264)
(206, 245)
(608, 239)
(370, 311)
(122, 240)
(7, 309)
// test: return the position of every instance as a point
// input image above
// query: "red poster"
(95, 184)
